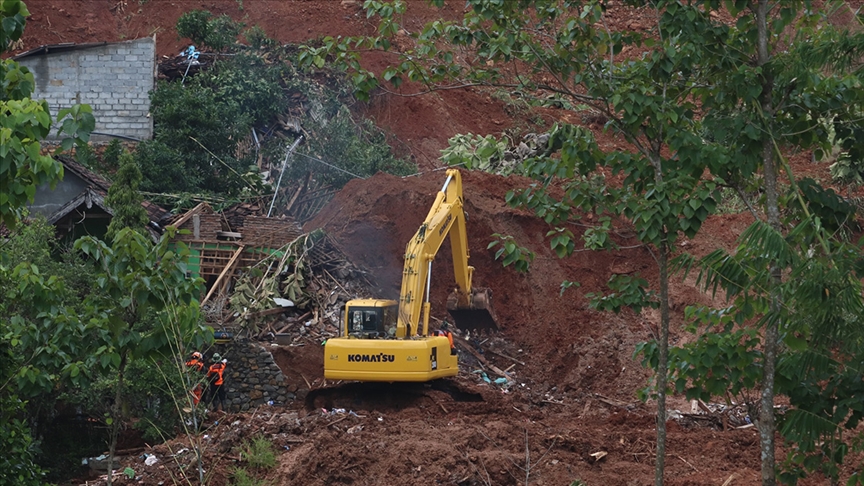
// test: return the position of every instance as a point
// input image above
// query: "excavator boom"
(470, 308)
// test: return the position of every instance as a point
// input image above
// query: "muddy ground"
(572, 393)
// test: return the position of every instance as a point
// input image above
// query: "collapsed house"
(255, 267)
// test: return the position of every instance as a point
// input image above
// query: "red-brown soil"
(574, 395)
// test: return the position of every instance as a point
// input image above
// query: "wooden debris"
(685, 462)
(505, 356)
(609, 401)
(225, 270)
(480, 357)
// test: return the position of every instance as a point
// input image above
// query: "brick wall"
(114, 79)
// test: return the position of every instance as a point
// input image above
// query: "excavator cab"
(370, 318)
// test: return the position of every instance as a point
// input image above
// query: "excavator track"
(383, 396)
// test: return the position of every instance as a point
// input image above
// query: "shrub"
(258, 453)
(217, 33)
(241, 477)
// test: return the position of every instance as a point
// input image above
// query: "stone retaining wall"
(252, 377)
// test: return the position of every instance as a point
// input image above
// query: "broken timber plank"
(224, 271)
(267, 312)
(609, 401)
(505, 356)
(480, 357)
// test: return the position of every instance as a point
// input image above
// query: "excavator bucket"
(473, 312)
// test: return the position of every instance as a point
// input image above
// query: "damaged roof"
(101, 185)
(52, 48)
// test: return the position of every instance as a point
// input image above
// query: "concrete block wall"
(114, 79)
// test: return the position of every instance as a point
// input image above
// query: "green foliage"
(629, 292)
(258, 453)
(125, 200)
(217, 33)
(834, 213)
(85, 156)
(715, 364)
(152, 396)
(18, 460)
(257, 38)
(729, 202)
(510, 253)
(110, 162)
(173, 161)
(241, 477)
(24, 122)
(13, 16)
(357, 148)
(847, 171)
(199, 124)
(475, 152)
(138, 277)
(17, 463)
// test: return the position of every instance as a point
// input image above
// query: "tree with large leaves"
(24, 122)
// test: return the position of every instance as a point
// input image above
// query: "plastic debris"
(151, 459)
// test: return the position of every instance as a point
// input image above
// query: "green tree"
(125, 200)
(147, 307)
(780, 76)
(24, 122)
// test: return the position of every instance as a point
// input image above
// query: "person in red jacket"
(196, 366)
(216, 377)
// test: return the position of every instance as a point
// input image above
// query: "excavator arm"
(470, 308)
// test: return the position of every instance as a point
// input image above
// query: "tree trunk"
(115, 417)
(772, 331)
(663, 365)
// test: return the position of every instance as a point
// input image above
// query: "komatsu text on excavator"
(386, 340)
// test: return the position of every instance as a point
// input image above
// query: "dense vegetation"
(203, 141)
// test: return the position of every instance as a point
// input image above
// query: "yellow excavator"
(386, 340)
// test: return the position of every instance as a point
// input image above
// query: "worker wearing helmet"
(445, 331)
(216, 376)
(195, 364)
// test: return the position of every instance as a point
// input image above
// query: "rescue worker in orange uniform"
(216, 377)
(196, 365)
(445, 331)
